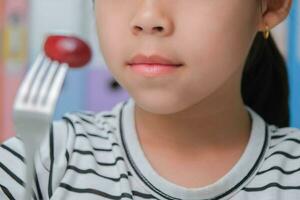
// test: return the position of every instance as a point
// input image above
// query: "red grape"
(68, 49)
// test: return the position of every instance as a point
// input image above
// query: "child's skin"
(189, 121)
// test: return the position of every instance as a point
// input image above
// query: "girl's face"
(211, 38)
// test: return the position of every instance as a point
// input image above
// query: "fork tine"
(27, 82)
(56, 86)
(39, 79)
(44, 92)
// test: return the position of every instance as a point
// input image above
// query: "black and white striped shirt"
(93, 156)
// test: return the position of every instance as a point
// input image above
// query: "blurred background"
(25, 23)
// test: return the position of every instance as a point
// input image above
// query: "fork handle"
(31, 142)
(30, 152)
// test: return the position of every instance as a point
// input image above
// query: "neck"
(218, 121)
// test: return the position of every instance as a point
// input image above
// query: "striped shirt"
(90, 155)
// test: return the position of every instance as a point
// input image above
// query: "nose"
(150, 19)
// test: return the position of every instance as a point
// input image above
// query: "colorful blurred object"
(14, 56)
(103, 88)
(79, 90)
(1, 68)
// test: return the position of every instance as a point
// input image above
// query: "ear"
(273, 12)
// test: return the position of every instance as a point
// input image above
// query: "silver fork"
(34, 107)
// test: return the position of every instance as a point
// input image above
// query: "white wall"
(280, 35)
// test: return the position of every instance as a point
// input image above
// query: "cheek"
(111, 27)
(215, 48)
(218, 44)
(114, 51)
(111, 41)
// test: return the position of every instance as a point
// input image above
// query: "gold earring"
(266, 32)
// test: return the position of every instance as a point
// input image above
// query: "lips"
(141, 59)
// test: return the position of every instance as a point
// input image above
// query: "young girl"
(208, 121)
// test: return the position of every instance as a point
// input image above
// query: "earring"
(266, 32)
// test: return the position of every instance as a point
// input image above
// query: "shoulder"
(283, 153)
(284, 145)
(278, 175)
(75, 133)
(287, 138)
(78, 131)
(13, 146)
(89, 123)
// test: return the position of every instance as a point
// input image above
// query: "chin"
(162, 104)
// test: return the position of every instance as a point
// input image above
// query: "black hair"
(265, 86)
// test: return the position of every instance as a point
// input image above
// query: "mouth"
(153, 60)
(153, 65)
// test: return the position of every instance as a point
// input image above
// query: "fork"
(38, 94)
(34, 107)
